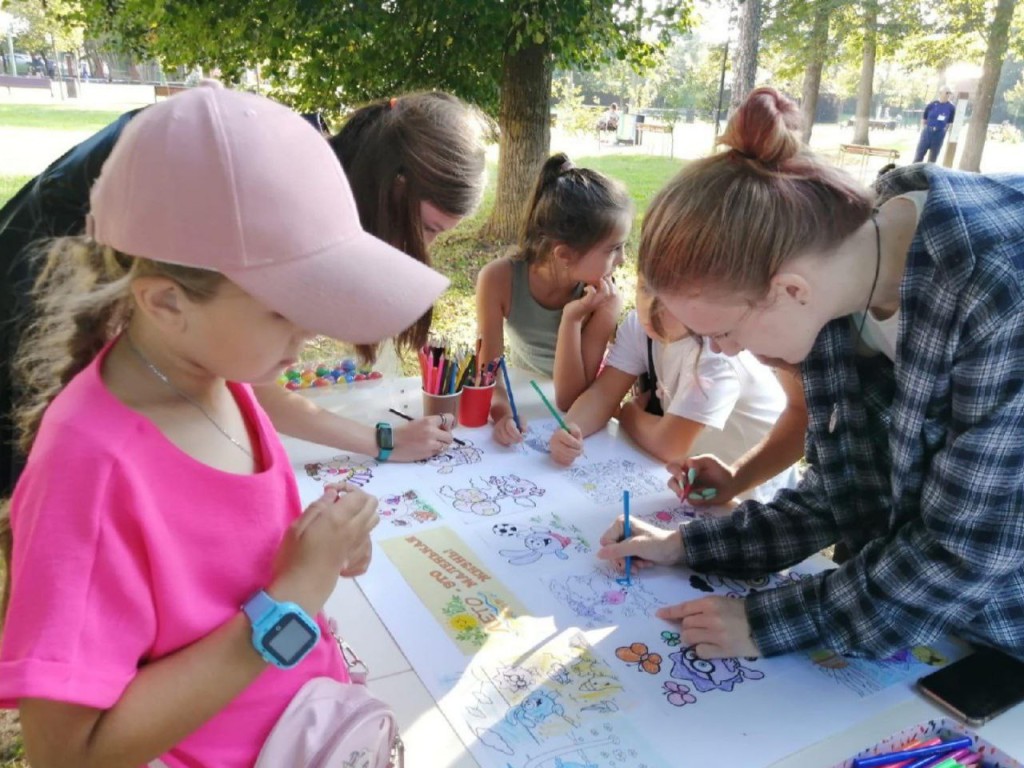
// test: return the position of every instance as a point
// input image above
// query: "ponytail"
(578, 207)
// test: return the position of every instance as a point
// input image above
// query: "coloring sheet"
(540, 541)
(406, 510)
(486, 575)
(558, 705)
(603, 482)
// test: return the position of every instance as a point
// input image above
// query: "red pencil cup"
(435, 405)
(475, 405)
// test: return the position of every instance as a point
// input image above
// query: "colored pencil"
(407, 417)
(627, 580)
(508, 391)
(550, 407)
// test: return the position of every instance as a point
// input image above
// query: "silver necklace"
(191, 400)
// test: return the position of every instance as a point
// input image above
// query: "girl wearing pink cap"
(157, 498)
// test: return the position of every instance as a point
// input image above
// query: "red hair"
(733, 219)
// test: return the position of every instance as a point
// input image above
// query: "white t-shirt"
(738, 398)
(880, 335)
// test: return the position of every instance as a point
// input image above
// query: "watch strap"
(383, 454)
(258, 606)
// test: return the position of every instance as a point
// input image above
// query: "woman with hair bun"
(905, 312)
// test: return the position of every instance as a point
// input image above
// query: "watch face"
(385, 437)
(289, 639)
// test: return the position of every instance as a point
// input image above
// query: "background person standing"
(937, 117)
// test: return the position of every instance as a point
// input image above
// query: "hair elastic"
(392, 102)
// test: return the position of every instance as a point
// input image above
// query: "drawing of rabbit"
(542, 541)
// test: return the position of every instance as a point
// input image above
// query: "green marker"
(706, 494)
(551, 408)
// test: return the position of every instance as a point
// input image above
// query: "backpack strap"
(653, 401)
(357, 669)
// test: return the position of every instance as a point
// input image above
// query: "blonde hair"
(81, 300)
(733, 219)
(6, 545)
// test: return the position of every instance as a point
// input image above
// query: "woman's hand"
(507, 433)
(423, 438)
(331, 537)
(709, 474)
(566, 447)
(715, 627)
(651, 545)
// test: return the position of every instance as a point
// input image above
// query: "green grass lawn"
(51, 117)
(9, 185)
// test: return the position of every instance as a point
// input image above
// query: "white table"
(429, 738)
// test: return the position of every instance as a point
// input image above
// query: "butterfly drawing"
(638, 654)
(678, 694)
(670, 638)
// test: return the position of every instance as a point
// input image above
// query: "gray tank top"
(531, 329)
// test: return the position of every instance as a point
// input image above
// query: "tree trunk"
(816, 52)
(998, 36)
(867, 73)
(93, 54)
(745, 74)
(524, 118)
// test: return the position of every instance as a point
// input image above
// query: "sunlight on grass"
(54, 118)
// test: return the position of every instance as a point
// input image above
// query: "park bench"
(164, 91)
(20, 81)
(655, 128)
(861, 154)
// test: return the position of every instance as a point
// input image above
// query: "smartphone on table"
(977, 687)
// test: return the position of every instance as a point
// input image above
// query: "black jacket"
(53, 204)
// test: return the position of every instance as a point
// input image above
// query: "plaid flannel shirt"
(923, 474)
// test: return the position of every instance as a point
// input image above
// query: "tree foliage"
(320, 54)
(332, 55)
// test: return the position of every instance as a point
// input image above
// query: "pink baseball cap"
(233, 182)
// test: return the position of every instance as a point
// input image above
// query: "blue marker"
(508, 391)
(876, 761)
(626, 533)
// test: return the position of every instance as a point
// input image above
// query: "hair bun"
(765, 127)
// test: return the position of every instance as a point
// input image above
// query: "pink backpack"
(333, 725)
(328, 724)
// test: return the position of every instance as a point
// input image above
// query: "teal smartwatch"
(282, 633)
(385, 441)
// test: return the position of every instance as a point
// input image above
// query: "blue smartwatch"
(385, 441)
(282, 633)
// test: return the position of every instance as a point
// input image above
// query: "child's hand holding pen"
(566, 445)
(648, 544)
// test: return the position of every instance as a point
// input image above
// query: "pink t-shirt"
(126, 549)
